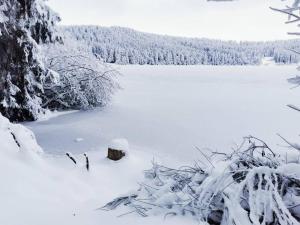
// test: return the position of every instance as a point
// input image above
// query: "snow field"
(169, 110)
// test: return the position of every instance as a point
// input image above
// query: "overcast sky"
(242, 20)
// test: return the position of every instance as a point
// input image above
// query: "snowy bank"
(38, 188)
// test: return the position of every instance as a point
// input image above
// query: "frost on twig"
(251, 185)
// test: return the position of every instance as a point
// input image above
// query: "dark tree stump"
(114, 154)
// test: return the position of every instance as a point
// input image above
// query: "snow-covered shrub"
(23, 25)
(77, 79)
(253, 185)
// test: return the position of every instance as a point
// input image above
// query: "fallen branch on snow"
(249, 186)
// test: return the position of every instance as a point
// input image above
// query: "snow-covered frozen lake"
(168, 110)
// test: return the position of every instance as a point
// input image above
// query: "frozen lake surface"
(168, 110)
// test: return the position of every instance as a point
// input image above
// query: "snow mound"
(119, 144)
(79, 139)
(51, 189)
(15, 138)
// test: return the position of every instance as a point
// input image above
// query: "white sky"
(242, 20)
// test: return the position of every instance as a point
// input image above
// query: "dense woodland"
(127, 46)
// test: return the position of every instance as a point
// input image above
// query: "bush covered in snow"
(253, 185)
(77, 79)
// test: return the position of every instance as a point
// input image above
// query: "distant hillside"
(127, 46)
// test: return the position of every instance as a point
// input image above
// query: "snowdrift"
(15, 138)
(252, 185)
(37, 188)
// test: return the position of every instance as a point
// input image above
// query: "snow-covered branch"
(251, 185)
(77, 79)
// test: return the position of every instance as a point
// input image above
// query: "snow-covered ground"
(164, 112)
(168, 110)
(38, 188)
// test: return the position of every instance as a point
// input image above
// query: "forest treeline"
(126, 46)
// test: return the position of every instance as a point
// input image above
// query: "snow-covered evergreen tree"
(23, 25)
